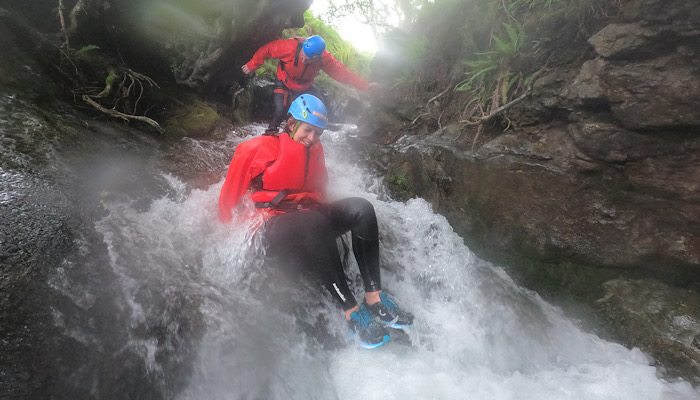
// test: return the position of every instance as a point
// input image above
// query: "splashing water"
(265, 336)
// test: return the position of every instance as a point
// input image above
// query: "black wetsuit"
(307, 238)
(283, 97)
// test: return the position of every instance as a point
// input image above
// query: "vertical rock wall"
(597, 177)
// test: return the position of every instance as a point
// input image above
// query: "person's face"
(304, 58)
(307, 134)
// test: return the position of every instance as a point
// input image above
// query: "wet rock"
(657, 318)
(66, 328)
(598, 178)
(616, 39)
(652, 94)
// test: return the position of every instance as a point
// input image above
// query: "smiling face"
(307, 134)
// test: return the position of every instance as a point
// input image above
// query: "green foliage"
(490, 71)
(341, 49)
(111, 78)
(268, 70)
(510, 45)
(87, 48)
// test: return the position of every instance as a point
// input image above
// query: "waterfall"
(265, 335)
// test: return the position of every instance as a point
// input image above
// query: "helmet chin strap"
(294, 130)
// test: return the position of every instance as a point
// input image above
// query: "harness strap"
(285, 94)
(296, 56)
(286, 205)
(278, 199)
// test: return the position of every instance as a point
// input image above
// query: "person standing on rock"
(300, 61)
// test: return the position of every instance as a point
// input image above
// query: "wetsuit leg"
(281, 100)
(313, 90)
(306, 239)
(357, 215)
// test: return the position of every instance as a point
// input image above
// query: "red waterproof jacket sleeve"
(250, 159)
(280, 48)
(336, 70)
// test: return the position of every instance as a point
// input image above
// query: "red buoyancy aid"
(294, 73)
(299, 171)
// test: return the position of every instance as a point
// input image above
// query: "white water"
(477, 334)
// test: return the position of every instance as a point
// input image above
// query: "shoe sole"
(370, 346)
(374, 346)
(398, 326)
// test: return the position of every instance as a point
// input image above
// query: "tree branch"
(497, 111)
(117, 114)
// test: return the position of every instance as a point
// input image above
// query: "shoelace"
(363, 317)
(389, 303)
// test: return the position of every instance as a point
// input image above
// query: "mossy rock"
(193, 119)
(657, 318)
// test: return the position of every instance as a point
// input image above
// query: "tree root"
(123, 92)
(427, 109)
(120, 92)
(494, 113)
(61, 7)
(479, 122)
(117, 114)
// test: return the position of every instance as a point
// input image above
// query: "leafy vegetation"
(483, 55)
(489, 77)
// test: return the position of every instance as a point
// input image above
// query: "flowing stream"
(150, 296)
(267, 336)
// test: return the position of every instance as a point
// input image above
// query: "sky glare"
(358, 34)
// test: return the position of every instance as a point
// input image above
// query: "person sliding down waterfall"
(285, 175)
(300, 61)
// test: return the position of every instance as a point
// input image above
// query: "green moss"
(193, 119)
(110, 78)
(400, 183)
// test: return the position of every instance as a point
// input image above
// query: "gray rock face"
(635, 308)
(647, 69)
(602, 169)
(616, 141)
(660, 93)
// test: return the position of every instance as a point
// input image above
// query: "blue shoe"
(387, 310)
(370, 333)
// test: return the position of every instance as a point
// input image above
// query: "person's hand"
(245, 69)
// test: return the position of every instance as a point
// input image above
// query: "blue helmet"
(309, 109)
(314, 46)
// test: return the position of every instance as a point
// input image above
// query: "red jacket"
(284, 163)
(301, 76)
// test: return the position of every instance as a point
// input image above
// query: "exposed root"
(496, 109)
(478, 132)
(434, 98)
(122, 93)
(494, 113)
(117, 114)
(73, 16)
(61, 7)
(427, 112)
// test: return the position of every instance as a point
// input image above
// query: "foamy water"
(477, 334)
